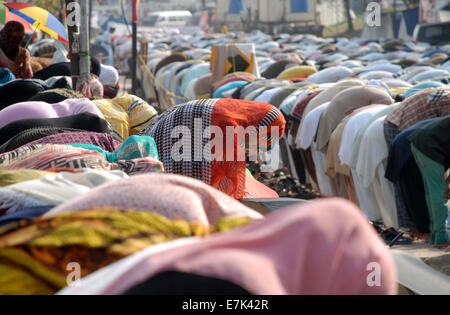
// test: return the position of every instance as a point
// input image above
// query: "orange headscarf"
(226, 174)
(229, 176)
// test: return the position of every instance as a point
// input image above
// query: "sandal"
(377, 227)
(392, 237)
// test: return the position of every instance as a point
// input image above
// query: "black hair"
(399, 98)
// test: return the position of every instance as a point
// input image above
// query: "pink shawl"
(170, 195)
(324, 247)
(66, 108)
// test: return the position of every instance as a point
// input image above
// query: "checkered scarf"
(198, 162)
(162, 129)
(420, 106)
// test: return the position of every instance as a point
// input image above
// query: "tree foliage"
(348, 15)
(53, 6)
(411, 3)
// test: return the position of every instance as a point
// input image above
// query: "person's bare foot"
(448, 249)
(422, 236)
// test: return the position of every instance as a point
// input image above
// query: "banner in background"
(428, 12)
(236, 7)
(135, 9)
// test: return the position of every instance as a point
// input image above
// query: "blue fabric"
(400, 168)
(108, 60)
(411, 19)
(132, 148)
(404, 221)
(400, 151)
(435, 51)
(173, 70)
(28, 214)
(398, 22)
(179, 98)
(229, 86)
(6, 76)
(421, 86)
(236, 7)
(120, 20)
(288, 104)
(184, 67)
(194, 72)
(299, 6)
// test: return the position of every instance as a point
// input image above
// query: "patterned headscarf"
(54, 156)
(103, 236)
(102, 140)
(11, 37)
(91, 87)
(228, 173)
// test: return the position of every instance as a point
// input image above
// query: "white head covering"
(108, 75)
(60, 53)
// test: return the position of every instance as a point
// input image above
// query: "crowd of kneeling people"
(88, 176)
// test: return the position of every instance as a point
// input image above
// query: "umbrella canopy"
(6, 16)
(39, 18)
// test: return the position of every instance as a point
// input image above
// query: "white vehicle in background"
(168, 19)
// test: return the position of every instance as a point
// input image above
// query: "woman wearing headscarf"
(109, 77)
(12, 55)
(216, 159)
(84, 121)
(132, 214)
(48, 189)
(101, 140)
(44, 110)
(104, 235)
(60, 135)
(324, 247)
(19, 91)
(56, 95)
(127, 114)
(51, 156)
